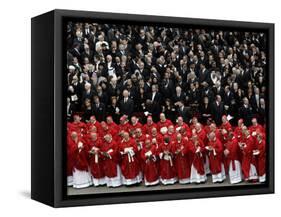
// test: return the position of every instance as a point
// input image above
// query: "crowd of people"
(162, 104)
(130, 153)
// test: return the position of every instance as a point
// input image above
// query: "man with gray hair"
(126, 104)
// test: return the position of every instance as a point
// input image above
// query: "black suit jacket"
(246, 114)
(185, 113)
(155, 107)
(204, 76)
(254, 104)
(126, 108)
(217, 112)
(99, 112)
(228, 98)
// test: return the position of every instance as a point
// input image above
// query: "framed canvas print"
(135, 108)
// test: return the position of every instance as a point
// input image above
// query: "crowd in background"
(141, 70)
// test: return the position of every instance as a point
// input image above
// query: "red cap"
(123, 118)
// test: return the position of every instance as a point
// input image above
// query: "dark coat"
(217, 112)
(99, 112)
(126, 108)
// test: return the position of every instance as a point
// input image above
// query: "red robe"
(146, 129)
(257, 128)
(232, 146)
(80, 156)
(159, 139)
(140, 141)
(182, 163)
(207, 129)
(202, 135)
(167, 168)
(113, 127)
(217, 133)
(134, 127)
(262, 157)
(96, 124)
(165, 123)
(110, 163)
(140, 144)
(150, 166)
(238, 133)
(215, 156)
(227, 126)
(95, 160)
(129, 164)
(247, 155)
(184, 127)
(197, 158)
(124, 127)
(171, 136)
(113, 132)
(78, 127)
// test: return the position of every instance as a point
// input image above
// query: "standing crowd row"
(104, 153)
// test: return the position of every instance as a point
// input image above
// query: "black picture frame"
(48, 139)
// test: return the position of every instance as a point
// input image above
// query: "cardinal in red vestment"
(139, 139)
(247, 146)
(124, 124)
(81, 174)
(95, 160)
(135, 124)
(196, 146)
(93, 122)
(150, 166)
(156, 138)
(225, 124)
(112, 172)
(163, 124)
(231, 159)
(129, 162)
(111, 124)
(182, 164)
(182, 127)
(149, 125)
(106, 130)
(166, 166)
(214, 152)
(78, 126)
(261, 154)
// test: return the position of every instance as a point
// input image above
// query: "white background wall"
(15, 105)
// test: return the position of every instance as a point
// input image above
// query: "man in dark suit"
(207, 91)
(204, 75)
(76, 51)
(184, 112)
(243, 78)
(217, 110)
(245, 112)
(167, 86)
(126, 104)
(99, 109)
(153, 103)
(179, 95)
(262, 112)
(228, 96)
(255, 100)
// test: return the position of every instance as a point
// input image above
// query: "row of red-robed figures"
(165, 153)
